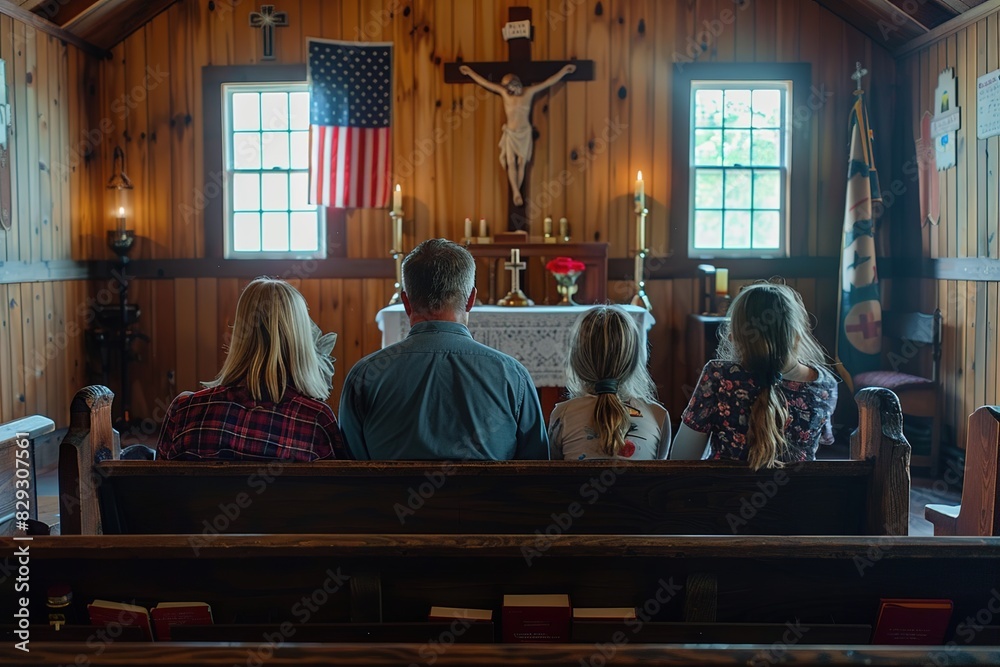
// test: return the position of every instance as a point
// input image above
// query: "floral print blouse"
(721, 406)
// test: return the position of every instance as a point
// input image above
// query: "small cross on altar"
(518, 77)
(515, 297)
(267, 20)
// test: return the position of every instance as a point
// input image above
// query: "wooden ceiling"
(105, 23)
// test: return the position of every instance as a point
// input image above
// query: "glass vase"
(567, 287)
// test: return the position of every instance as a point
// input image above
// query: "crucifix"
(517, 81)
(515, 297)
(267, 20)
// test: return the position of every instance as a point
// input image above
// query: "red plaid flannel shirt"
(227, 423)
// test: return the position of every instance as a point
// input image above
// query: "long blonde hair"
(768, 329)
(274, 345)
(607, 359)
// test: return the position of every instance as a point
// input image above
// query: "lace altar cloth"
(538, 336)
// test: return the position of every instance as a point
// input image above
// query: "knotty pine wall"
(42, 323)
(633, 43)
(969, 223)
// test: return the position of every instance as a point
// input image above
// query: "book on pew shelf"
(167, 614)
(536, 618)
(912, 622)
(451, 613)
(603, 613)
(104, 613)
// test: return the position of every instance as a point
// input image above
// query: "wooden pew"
(17, 464)
(858, 497)
(748, 591)
(979, 513)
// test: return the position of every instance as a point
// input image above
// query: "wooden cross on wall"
(530, 72)
(267, 20)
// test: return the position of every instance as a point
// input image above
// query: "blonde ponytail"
(611, 418)
(766, 432)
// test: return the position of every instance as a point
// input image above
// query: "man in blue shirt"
(439, 394)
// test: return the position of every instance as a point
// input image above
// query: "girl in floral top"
(613, 412)
(768, 397)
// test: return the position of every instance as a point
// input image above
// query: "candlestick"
(722, 281)
(468, 228)
(640, 193)
(548, 226)
(397, 233)
(640, 236)
(121, 219)
(564, 228)
(397, 200)
(482, 228)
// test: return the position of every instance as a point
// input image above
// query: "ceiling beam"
(8, 8)
(950, 28)
(956, 6)
(108, 22)
(895, 12)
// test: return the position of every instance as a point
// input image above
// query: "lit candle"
(640, 193)
(482, 228)
(548, 226)
(722, 281)
(564, 228)
(397, 200)
(468, 228)
(121, 220)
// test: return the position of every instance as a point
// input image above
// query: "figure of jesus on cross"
(516, 138)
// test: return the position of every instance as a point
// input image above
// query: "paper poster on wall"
(947, 118)
(988, 105)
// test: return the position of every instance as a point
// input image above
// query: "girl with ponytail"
(768, 397)
(612, 412)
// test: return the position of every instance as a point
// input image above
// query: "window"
(740, 160)
(266, 164)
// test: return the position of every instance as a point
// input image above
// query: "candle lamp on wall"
(396, 215)
(120, 239)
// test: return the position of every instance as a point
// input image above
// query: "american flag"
(350, 86)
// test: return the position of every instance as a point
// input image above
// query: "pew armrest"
(944, 518)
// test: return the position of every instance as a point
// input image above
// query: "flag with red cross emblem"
(859, 339)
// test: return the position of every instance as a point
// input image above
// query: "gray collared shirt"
(438, 394)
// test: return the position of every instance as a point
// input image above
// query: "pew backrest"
(856, 497)
(978, 514)
(17, 462)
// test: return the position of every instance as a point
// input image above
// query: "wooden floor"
(922, 492)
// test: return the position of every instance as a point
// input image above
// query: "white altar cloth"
(538, 336)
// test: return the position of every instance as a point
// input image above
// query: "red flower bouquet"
(564, 265)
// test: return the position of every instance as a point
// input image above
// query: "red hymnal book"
(536, 618)
(166, 614)
(104, 613)
(912, 622)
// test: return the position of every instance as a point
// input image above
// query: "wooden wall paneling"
(461, 195)
(35, 362)
(423, 103)
(330, 318)
(746, 31)
(554, 25)
(159, 180)
(643, 69)
(685, 301)
(246, 40)
(966, 146)
(991, 351)
(938, 237)
(20, 336)
(810, 21)
(597, 195)
(54, 359)
(620, 230)
(787, 33)
(186, 335)
(981, 359)
(57, 148)
(41, 127)
(9, 248)
(207, 327)
(357, 229)
(136, 144)
(65, 95)
(353, 336)
(182, 217)
(658, 198)
(229, 290)
(721, 47)
(947, 235)
(829, 73)
(34, 42)
(221, 33)
(400, 32)
(444, 96)
(982, 228)
(954, 367)
(765, 33)
(992, 144)
(968, 291)
(374, 223)
(289, 43)
(577, 26)
(7, 394)
(661, 343)
(94, 152)
(20, 159)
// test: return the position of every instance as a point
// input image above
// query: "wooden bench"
(979, 513)
(802, 600)
(17, 466)
(858, 497)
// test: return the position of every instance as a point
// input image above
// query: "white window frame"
(228, 90)
(785, 169)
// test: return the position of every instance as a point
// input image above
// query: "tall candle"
(564, 228)
(121, 220)
(482, 227)
(640, 193)
(722, 281)
(468, 228)
(397, 200)
(548, 225)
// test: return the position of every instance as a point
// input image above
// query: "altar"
(538, 336)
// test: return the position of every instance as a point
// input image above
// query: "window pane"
(300, 150)
(708, 148)
(274, 111)
(708, 108)
(275, 145)
(275, 191)
(298, 118)
(246, 111)
(275, 232)
(738, 191)
(737, 108)
(767, 189)
(767, 108)
(299, 194)
(246, 151)
(305, 232)
(246, 232)
(708, 188)
(708, 229)
(246, 192)
(766, 229)
(767, 148)
(737, 229)
(736, 148)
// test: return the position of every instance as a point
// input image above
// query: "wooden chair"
(977, 515)
(918, 396)
(12, 436)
